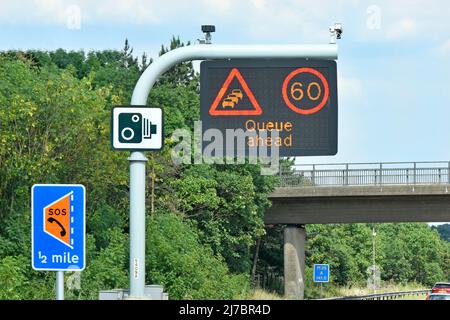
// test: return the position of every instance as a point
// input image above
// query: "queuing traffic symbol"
(58, 227)
(231, 100)
(137, 128)
(321, 273)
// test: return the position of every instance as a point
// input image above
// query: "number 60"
(297, 92)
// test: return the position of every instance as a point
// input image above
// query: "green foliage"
(405, 253)
(108, 267)
(55, 129)
(101, 221)
(271, 251)
(182, 74)
(180, 105)
(12, 278)
(332, 244)
(413, 253)
(187, 268)
(444, 231)
(228, 203)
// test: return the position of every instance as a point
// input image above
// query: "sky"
(393, 66)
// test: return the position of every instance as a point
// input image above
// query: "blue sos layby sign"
(58, 227)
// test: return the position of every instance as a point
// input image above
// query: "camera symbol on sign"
(133, 128)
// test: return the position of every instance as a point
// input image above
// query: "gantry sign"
(295, 97)
(258, 67)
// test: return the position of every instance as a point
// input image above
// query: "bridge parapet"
(366, 174)
(360, 191)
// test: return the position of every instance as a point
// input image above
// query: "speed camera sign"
(137, 128)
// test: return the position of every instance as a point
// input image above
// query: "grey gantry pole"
(140, 95)
(137, 223)
(59, 285)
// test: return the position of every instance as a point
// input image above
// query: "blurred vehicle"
(228, 103)
(233, 98)
(237, 93)
(438, 296)
(441, 287)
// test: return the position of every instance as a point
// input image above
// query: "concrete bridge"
(353, 193)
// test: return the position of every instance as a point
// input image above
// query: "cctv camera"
(208, 28)
(338, 29)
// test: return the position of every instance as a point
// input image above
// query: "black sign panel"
(295, 97)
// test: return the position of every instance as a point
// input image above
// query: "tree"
(12, 278)
(444, 231)
(182, 74)
(187, 269)
(55, 130)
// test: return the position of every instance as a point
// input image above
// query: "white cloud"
(407, 20)
(259, 4)
(349, 88)
(269, 20)
(443, 49)
(405, 28)
(50, 11)
(112, 11)
(297, 21)
(287, 21)
(214, 7)
(132, 11)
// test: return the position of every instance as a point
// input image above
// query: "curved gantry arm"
(207, 51)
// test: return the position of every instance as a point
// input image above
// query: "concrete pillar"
(294, 262)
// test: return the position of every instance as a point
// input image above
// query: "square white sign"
(137, 128)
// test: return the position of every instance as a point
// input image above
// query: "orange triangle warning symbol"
(57, 219)
(229, 105)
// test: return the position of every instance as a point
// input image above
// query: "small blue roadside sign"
(321, 273)
(58, 227)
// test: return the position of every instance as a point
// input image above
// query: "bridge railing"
(360, 174)
(385, 296)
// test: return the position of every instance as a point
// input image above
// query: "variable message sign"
(295, 97)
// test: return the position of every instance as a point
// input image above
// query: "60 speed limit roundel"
(305, 91)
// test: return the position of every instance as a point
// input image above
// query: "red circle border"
(306, 111)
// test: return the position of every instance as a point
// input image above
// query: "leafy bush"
(12, 278)
(186, 268)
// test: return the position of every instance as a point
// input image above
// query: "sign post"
(321, 275)
(137, 128)
(59, 285)
(58, 230)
